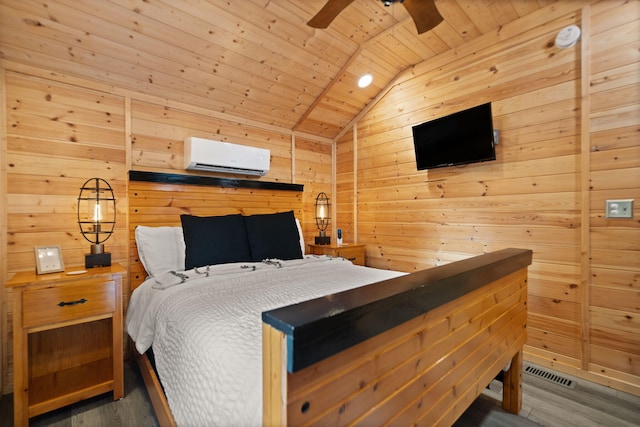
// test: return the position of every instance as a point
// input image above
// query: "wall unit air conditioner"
(216, 156)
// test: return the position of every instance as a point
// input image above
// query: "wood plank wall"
(157, 145)
(60, 131)
(532, 195)
(613, 328)
(58, 136)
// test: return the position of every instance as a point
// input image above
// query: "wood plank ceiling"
(251, 59)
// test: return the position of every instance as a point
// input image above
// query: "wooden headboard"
(157, 199)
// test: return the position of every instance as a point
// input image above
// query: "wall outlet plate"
(621, 208)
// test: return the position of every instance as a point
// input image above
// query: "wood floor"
(545, 404)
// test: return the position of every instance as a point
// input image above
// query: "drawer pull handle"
(80, 301)
(352, 259)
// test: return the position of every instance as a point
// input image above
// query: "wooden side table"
(354, 252)
(67, 338)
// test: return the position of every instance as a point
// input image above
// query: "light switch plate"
(621, 208)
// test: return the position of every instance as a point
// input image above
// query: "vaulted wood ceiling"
(252, 59)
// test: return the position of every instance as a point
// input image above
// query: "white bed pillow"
(301, 236)
(160, 249)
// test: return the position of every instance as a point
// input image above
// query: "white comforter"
(207, 331)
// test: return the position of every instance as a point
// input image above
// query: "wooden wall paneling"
(607, 338)
(540, 324)
(154, 114)
(625, 158)
(534, 194)
(80, 152)
(612, 333)
(5, 301)
(355, 185)
(345, 184)
(128, 131)
(52, 219)
(159, 134)
(314, 165)
(293, 157)
(334, 235)
(585, 169)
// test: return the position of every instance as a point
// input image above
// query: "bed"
(283, 338)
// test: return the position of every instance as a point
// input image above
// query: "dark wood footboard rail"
(415, 350)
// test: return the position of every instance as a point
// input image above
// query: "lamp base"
(97, 260)
(323, 240)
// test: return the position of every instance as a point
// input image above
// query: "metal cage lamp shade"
(97, 219)
(323, 209)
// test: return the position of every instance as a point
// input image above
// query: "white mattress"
(207, 331)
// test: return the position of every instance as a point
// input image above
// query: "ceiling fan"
(424, 13)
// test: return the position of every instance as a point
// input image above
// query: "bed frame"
(417, 349)
(157, 199)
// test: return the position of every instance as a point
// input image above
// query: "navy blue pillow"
(273, 236)
(214, 240)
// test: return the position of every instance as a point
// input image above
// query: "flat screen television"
(460, 138)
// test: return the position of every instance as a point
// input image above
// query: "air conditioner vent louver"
(216, 156)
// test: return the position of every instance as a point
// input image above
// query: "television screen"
(460, 138)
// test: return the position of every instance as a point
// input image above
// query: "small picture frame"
(48, 259)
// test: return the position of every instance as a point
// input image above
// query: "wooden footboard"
(415, 350)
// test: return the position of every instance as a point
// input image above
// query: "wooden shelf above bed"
(212, 181)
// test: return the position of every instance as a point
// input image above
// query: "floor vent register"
(549, 376)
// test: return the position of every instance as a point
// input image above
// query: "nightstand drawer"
(353, 254)
(70, 302)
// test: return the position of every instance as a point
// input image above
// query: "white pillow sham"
(301, 236)
(161, 249)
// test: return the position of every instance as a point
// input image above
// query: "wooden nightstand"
(67, 338)
(354, 252)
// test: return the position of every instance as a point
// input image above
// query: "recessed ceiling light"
(365, 80)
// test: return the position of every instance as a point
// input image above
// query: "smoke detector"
(568, 37)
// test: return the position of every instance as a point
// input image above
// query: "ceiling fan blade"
(424, 14)
(328, 13)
